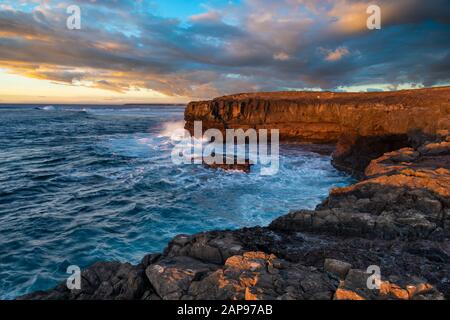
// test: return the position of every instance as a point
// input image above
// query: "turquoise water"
(79, 184)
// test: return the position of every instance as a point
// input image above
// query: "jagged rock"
(150, 259)
(182, 277)
(354, 152)
(211, 247)
(342, 294)
(434, 149)
(171, 277)
(408, 158)
(388, 225)
(391, 162)
(337, 268)
(381, 155)
(355, 287)
(408, 200)
(101, 281)
(260, 276)
(235, 164)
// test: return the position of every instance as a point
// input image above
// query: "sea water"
(81, 184)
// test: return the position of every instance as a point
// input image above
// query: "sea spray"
(208, 147)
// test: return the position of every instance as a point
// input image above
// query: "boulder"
(172, 277)
(260, 276)
(355, 287)
(337, 268)
(101, 281)
(235, 164)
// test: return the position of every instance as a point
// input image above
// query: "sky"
(174, 51)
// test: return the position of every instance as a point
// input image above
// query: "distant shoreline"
(155, 104)
(91, 104)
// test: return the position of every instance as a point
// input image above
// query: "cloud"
(210, 16)
(281, 56)
(266, 45)
(334, 55)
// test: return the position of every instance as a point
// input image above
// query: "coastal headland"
(396, 217)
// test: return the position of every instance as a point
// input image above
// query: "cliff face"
(322, 117)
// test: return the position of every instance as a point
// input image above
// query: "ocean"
(81, 184)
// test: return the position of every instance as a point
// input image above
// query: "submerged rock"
(231, 164)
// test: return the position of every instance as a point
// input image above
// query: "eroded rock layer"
(324, 116)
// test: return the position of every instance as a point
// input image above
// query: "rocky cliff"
(396, 217)
(324, 116)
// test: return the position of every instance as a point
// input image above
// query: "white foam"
(170, 128)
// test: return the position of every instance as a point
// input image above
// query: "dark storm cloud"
(256, 45)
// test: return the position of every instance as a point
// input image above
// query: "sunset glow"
(176, 51)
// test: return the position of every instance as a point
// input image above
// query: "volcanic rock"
(101, 281)
(337, 268)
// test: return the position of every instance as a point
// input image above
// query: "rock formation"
(231, 164)
(397, 217)
(323, 117)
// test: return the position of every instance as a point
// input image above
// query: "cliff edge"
(322, 117)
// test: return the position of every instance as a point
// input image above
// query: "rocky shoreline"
(396, 217)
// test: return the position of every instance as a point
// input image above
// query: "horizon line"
(226, 95)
